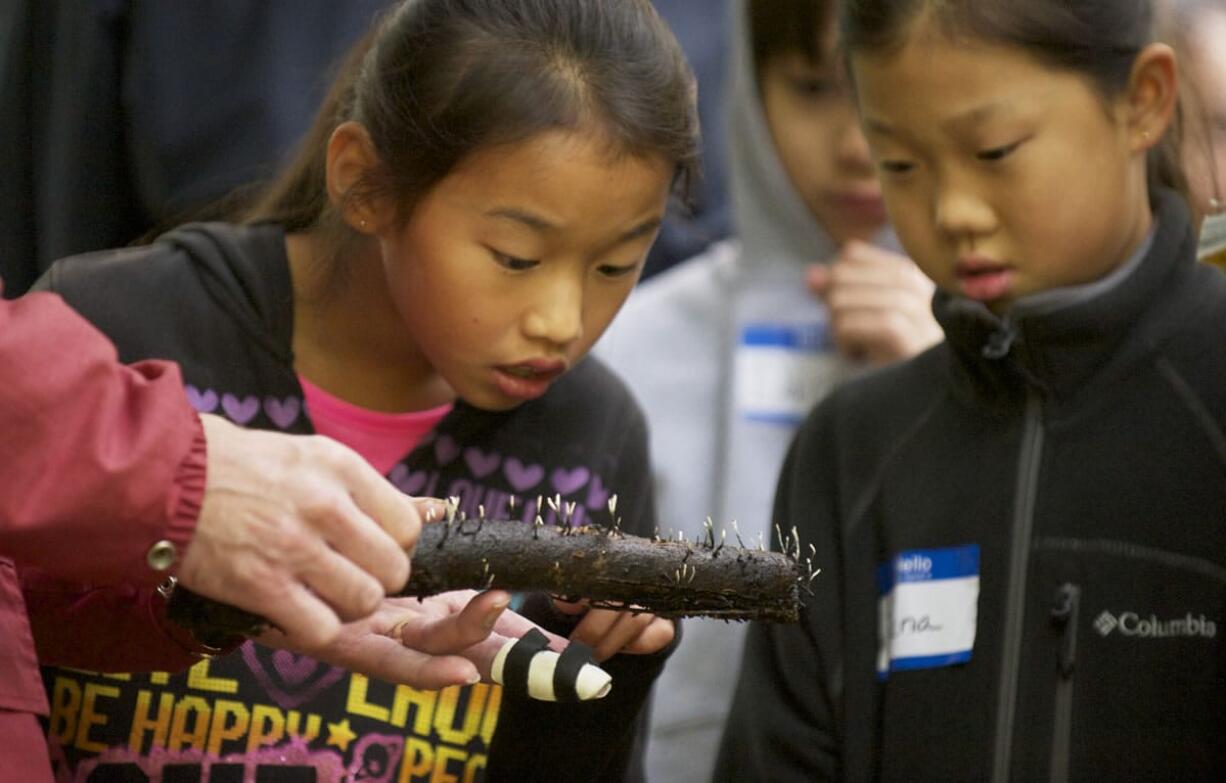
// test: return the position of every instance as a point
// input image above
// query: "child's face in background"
(1003, 177)
(818, 140)
(1205, 145)
(515, 263)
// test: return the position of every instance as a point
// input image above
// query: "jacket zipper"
(1064, 615)
(1015, 601)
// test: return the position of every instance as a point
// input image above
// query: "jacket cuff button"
(161, 556)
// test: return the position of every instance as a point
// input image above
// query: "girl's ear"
(351, 160)
(1153, 92)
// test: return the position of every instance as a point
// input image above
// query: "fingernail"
(492, 617)
(473, 679)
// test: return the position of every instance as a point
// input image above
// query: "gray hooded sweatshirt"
(726, 353)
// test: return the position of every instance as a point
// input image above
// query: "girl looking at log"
(470, 210)
(1020, 530)
(810, 291)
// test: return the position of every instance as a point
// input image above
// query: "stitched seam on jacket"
(860, 507)
(1135, 551)
(1195, 406)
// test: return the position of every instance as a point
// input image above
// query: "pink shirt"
(382, 438)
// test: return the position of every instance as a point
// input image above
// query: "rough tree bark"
(669, 578)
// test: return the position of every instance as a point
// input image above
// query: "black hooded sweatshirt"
(1046, 493)
(218, 300)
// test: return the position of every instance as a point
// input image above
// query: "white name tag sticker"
(782, 370)
(928, 608)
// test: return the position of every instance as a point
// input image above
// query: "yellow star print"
(340, 735)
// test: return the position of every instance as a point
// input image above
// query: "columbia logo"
(1105, 623)
(1132, 624)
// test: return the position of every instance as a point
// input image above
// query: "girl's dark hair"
(436, 80)
(1099, 40)
(779, 27)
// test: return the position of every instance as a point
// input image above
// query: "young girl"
(1020, 531)
(469, 212)
(756, 346)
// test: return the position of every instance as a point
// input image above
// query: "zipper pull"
(1064, 616)
(1000, 341)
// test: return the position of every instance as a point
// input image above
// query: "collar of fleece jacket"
(1067, 352)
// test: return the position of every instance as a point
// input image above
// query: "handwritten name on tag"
(928, 608)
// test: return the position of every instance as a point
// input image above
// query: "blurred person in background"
(728, 350)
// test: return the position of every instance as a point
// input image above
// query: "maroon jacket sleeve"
(101, 460)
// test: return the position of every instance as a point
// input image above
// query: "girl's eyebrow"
(540, 224)
(971, 116)
(974, 116)
(646, 227)
(877, 126)
(529, 219)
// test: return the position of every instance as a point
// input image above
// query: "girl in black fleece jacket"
(1021, 535)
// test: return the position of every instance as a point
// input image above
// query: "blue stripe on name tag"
(798, 337)
(928, 661)
(923, 565)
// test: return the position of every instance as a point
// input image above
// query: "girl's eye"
(514, 264)
(611, 270)
(998, 153)
(896, 166)
(812, 87)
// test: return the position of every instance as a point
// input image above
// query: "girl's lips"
(864, 205)
(984, 280)
(528, 380)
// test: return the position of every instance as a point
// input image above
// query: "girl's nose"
(556, 316)
(853, 146)
(962, 214)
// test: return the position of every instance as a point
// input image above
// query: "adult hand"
(611, 631)
(880, 303)
(298, 529)
(428, 643)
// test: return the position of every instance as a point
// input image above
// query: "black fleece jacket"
(1082, 451)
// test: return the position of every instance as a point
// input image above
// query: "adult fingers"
(306, 622)
(361, 540)
(346, 586)
(397, 513)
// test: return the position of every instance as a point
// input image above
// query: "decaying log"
(669, 578)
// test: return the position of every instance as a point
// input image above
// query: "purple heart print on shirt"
(240, 411)
(446, 450)
(290, 680)
(283, 413)
(522, 477)
(597, 495)
(203, 401)
(410, 482)
(568, 481)
(480, 463)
